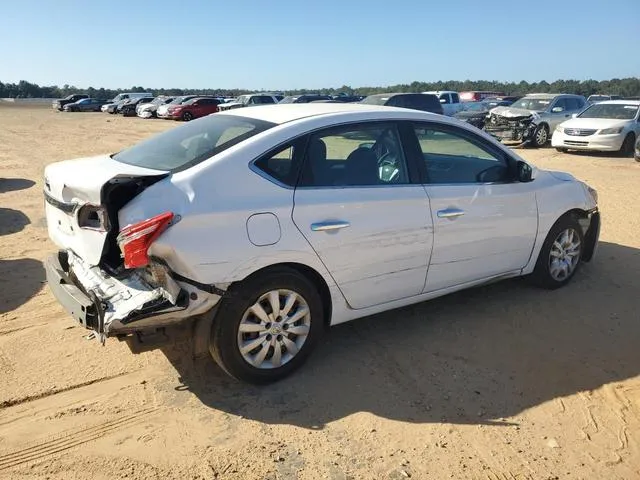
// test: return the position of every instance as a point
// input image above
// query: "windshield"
(289, 99)
(180, 148)
(476, 106)
(159, 101)
(617, 111)
(532, 103)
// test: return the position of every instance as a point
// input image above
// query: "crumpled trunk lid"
(74, 184)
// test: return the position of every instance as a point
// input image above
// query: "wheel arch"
(310, 274)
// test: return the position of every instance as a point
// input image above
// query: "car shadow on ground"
(20, 280)
(13, 184)
(473, 357)
(12, 221)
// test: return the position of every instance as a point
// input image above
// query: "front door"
(485, 223)
(357, 208)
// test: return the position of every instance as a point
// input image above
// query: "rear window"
(182, 147)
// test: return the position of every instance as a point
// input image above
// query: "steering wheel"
(388, 170)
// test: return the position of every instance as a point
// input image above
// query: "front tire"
(187, 116)
(266, 326)
(560, 256)
(627, 148)
(540, 136)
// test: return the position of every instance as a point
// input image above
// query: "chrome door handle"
(450, 213)
(326, 226)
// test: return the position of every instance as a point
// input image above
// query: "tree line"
(627, 87)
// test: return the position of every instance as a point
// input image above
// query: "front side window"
(454, 157)
(560, 106)
(192, 143)
(444, 98)
(362, 155)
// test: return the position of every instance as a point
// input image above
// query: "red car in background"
(194, 108)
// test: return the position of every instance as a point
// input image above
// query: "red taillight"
(134, 240)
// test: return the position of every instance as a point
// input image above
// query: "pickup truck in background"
(59, 104)
(450, 101)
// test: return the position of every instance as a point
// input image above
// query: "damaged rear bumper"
(113, 306)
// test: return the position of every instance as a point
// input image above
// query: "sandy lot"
(501, 382)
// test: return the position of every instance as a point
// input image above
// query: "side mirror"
(525, 172)
(557, 109)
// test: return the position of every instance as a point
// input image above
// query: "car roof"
(620, 102)
(551, 95)
(389, 95)
(283, 113)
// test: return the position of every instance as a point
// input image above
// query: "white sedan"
(609, 126)
(265, 225)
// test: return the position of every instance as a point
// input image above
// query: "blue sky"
(286, 44)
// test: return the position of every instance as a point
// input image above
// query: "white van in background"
(126, 95)
(110, 106)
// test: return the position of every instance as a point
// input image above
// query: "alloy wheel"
(565, 254)
(274, 329)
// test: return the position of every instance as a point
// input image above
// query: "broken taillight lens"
(134, 240)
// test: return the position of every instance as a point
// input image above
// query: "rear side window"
(279, 166)
(455, 98)
(182, 147)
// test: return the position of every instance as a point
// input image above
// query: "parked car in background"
(148, 110)
(113, 107)
(636, 153)
(84, 105)
(603, 98)
(450, 101)
(128, 109)
(59, 104)
(474, 113)
(414, 101)
(501, 101)
(272, 220)
(608, 126)
(128, 95)
(348, 98)
(477, 95)
(305, 98)
(249, 101)
(532, 119)
(193, 108)
(162, 110)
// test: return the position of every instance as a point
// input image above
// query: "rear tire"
(561, 253)
(237, 327)
(187, 116)
(627, 148)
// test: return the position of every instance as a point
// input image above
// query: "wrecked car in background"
(533, 118)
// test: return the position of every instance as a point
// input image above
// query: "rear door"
(485, 223)
(359, 210)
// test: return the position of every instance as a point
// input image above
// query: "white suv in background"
(450, 101)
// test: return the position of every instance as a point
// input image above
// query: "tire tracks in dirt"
(30, 398)
(68, 440)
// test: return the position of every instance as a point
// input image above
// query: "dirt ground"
(503, 382)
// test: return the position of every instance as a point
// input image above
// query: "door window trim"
(473, 138)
